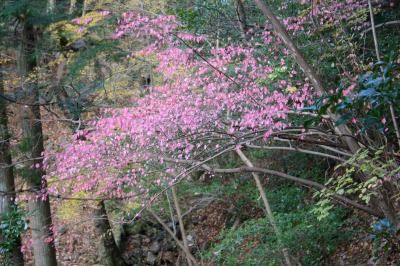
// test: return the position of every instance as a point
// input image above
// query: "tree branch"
(178, 242)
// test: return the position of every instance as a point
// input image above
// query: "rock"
(190, 240)
(155, 247)
(130, 260)
(151, 258)
(63, 229)
(77, 45)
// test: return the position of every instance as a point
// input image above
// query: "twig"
(371, 15)
(394, 22)
(335, 150)
(296, 149)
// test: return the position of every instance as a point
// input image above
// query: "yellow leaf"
(291, 89)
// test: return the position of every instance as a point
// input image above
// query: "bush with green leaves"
(368, 105)
(12, 225)
(308, 240)
(379, 169)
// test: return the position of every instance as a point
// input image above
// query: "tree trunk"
(72, 6)
(241, 15)
(51, 5)
(84, 7)
(108, 250)
(7, 186)
(40, 221)
(388, 189)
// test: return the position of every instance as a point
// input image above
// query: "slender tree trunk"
(267, 207)
(241, 15)
(378, 57)
(7, 186)
(51, 5)
(108, 250)
(72, 5)
(84, 7)
(40, 220)
(181, 225)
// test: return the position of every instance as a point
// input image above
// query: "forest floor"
(77, 242)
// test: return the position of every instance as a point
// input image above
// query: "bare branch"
(296, 150)
(178, 242)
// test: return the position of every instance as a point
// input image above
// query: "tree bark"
(72, 5)
(51, 5)
(84, 7)
(241, 15)
(7, 186)
(108, 250)
(40, 220)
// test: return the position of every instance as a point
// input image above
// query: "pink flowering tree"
(202, 107)
(209, 101)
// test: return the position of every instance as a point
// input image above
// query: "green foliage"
(12, 225)
(17, 8)
(378, 170)
(307, 239)
(187, 188)
(30, 11)
(70, 209)
(305, 166)
(196, 16)
(286, 198)
(25, 145)
(369, 105)
(189, 18)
